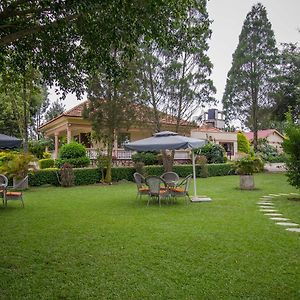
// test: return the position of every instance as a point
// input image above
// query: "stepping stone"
(293, 229)
(265, 203)
(273, 195)
(294, 194)
(266, 206)
(268, 210)
(287, 224)
(273, 215)
(280, 219)
(267, 197)
(281, 194)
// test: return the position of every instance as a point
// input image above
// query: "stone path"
(267, 207)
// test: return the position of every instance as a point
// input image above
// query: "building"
(272, 136)
(217, 136)
(72, 126)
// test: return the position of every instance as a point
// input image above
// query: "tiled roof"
(76, 111)
(262, 134)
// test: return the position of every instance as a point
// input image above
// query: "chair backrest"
(3, 180)
(185, 183)
(170, 176)
(20, 183)
(154, 183)
(139, 179)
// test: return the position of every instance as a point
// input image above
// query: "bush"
(249, 165)
(214, 153)
(46, 163)
(85, 176)
(73, 154)
(148, 158)
(72, 150)
(79, 162)
(243, 143)
(291, 147)
(220, 169)
(37, 148)
(42, 177)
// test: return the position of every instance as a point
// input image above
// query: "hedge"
(46, 163)
(85, 176)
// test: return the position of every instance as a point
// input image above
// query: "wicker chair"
(12, 193)
(182, 189)
(158, 189)
(171, 178)
(142, 188)
(3, 186)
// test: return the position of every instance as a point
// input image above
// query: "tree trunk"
(110, 146)
(25, 121)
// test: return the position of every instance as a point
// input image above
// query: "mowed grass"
(98, 242)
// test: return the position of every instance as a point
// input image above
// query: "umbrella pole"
(194, 173)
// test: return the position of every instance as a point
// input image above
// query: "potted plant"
(245, 167)
(18, 168)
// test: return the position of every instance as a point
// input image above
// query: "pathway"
(267, 207)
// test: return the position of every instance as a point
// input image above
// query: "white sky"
(228, 17)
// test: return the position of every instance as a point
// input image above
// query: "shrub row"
(85, 176)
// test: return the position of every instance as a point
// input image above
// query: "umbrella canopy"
(165, 140)
(9, 142)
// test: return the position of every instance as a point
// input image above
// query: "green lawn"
(99, 242)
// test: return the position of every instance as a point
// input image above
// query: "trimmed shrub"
(73, 154)
(85, 176)
(148, 158)
(46, 163)
(243, 143)
(122, 173)
(72, 150)
(41, 177)
(220, 169)
(79, 162)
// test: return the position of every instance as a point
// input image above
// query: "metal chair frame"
(158, 189)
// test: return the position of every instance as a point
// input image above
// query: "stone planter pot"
(20, 184)
(247, 182)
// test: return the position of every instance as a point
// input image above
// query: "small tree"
(243, 143)
(291, 146)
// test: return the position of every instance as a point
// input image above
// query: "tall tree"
(23, 93)
(112, 104)
(176, 77)
(288, 94)
(68, 39)
(55, 109)
(254, 67)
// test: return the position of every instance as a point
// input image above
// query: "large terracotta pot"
(247, 182)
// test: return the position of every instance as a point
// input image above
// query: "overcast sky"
(228, 17)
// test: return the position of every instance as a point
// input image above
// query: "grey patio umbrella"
(9, 142)
(167, 140)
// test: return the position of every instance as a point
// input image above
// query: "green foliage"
(74, 154)
(249, 165)
(288, 95)
(269, 153)
(214, 153)
(56, 109)
(86, 176)
(46, 163)
(44, 177)
(37, 147)
(254, 69)
(46, 155)
(79, 162)
(72, 150)
(17, 165)
(122, 173)
(291, 146)
(148, 158)
(201, 160)
(6, 156)
(243, 143)
(102, 164)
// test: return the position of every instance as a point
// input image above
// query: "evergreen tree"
(251, 77)
(288, 94)
(56, 109)
(243, 143)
